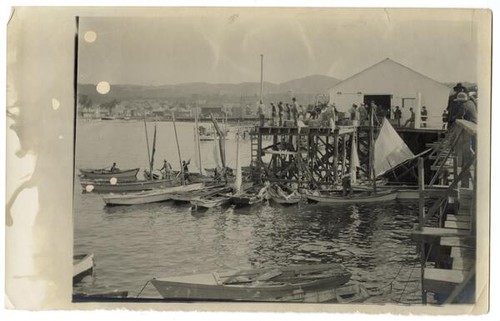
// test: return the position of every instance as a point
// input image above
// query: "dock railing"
(451, 244)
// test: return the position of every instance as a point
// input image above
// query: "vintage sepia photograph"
(249, 159)
(277, 156)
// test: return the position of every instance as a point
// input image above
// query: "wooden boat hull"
(287, 201)
(382, 197)
(123, 187)
(129, 174)
(188, 196)
(83, 265)
(201, 203)
(154, 196)
(290, 285)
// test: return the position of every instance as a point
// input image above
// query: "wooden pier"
(448, 244)
(319, 155)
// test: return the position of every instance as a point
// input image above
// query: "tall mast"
(147, 145)
(261, 76)
(178, 149)
(371, 170)
(197, 135)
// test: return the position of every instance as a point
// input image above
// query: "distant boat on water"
(121, 175)
(122, 187)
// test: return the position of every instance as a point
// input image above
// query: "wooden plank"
(462, 264)
(462, 252)
(457, 225)
(468, 126)
(441, 280)
(458, 218)
(455, 241)
(433, 234)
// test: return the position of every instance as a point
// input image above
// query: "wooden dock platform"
(451, 245)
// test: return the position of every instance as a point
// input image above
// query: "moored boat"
(121, 187)
(187, 196)
(83, 265)
(351, 293)
(106, 174)
(292, 283)
(279, 196)
(211, 201)
(357, 197)
(157, 195)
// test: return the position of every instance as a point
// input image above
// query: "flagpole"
(147, 144)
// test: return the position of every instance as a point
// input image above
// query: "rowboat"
(293, 283)
(188, 196)
(352, 293)
(211, 201)
(157, 195)
(245, 199)
(120, 175)
(279, 196)
(356, 198)
(121, 187)
(83, 265)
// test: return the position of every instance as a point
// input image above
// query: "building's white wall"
(391, 78)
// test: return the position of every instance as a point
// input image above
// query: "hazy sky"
(224, 46)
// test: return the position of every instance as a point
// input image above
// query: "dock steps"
(457, 225)
(455, 241)
(434, 234)
(442, 281)
(458, 218)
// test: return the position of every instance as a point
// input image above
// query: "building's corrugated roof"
(389, 60)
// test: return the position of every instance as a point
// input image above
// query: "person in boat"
(346, 185)
(185, 170)
(410, 120)
(264, 191)
(166, 170)
(114, 169)
(397, 116)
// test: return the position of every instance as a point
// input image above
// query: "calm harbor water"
(133, 244)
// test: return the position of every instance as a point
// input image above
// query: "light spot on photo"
(55, 104)
(89, 188)
(113, 180)
(90, 36)
(103, 87)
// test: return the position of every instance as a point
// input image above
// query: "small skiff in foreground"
(314, 283)
(356, 198)
(83, 265)
(157, 195)
(120, 175)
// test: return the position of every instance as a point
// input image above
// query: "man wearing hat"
(456, 109)
(459, 88)
(354, 112)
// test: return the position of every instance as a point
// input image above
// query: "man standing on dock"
(423, 117)
(280, 113)
(274, 120)
(354, 115)
(397, 115)
(411, 120)
(260, 111)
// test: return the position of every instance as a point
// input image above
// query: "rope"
(143, 288)
(392, 281)
(407, 281)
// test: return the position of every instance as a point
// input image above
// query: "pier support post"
(421, 218)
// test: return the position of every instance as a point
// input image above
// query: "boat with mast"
(386, 152)
(114, 185)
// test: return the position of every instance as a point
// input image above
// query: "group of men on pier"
(293, 114)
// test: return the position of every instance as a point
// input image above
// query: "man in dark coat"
(397, 115)
(456, 109)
